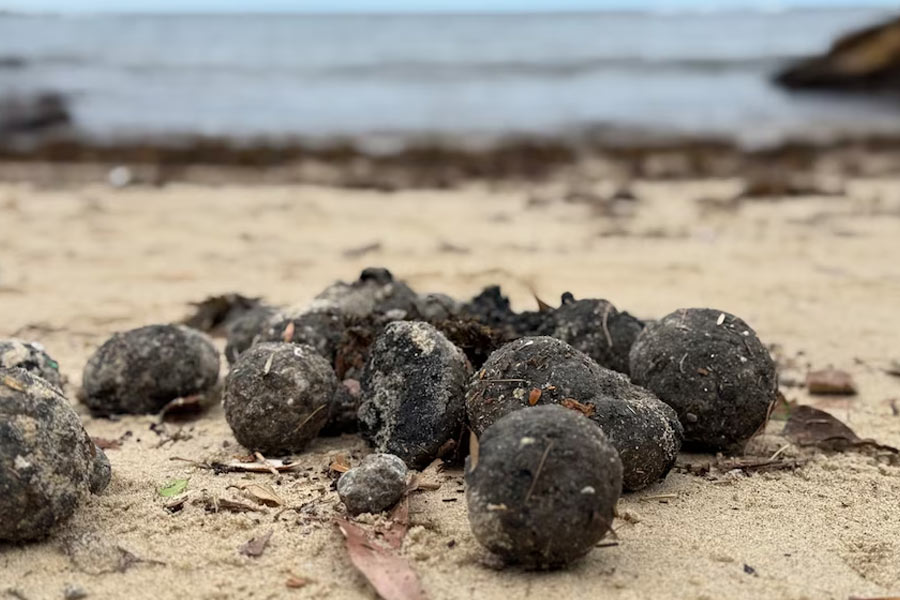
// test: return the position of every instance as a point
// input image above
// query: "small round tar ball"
(31, 357)
(544, 487)
(242, 332)
(413, 392)
(596, 328)
(527, 372)
(141, 370)
(278, 397)
(46, 457)
(712, 369)
(375, 485)
(542, 370)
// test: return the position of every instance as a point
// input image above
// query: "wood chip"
(105, 444)
(288, 334)
(391, 575)
(296, 582)
(255, 546)
(534, 396)
(830, 381)
(473, 450)
(573, 404)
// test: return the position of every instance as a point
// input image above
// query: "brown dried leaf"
(390, 575)
(211, 314)
(214, 505)
(255, 546)
(830, 381)
(573, 404)
(810, 426)
(534, 396)
(105, 444)
(340, 463)
(263, 493)
(397, 525)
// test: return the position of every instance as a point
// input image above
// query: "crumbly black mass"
(713, 370)
(322, 327)
(375, 485)
(47, 460)
(243, 331)
(278, 396)
(375, 292)
(30, 356)
(535, 371)
(492, 308)
(413, 392)
(141, 370)
(544, 487)
(596, 328)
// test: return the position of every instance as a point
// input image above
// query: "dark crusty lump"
(534, 371)
(141, 370)
(712, 369)
(278, 396)
(47, 460)
(596, 328)
(413, 392)
(544, 487)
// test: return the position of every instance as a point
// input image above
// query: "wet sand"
(815, 275)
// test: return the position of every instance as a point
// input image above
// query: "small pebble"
(375, 485)
(544, 487)
(141, 370)
(30, 356)
(712, 369)
(46, 457)
(278, 397)
(413, 392)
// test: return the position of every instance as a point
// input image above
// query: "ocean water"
(284, 76)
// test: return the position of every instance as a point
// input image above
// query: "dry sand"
(815, 275)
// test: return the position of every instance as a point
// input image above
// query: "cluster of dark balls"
(571, 405)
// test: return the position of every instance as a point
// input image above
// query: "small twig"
(309, 417)
(659, 497)
(609, 341)
(263, 460)
(539, 469)
(779, 451)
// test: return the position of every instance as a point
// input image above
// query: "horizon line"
(464, 13)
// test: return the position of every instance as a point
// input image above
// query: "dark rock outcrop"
(867, 60)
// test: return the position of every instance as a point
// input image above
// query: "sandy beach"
(818, 276)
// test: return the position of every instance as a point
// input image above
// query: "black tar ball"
(47, 460)
(544, 487)
(413, 392)
(278, 397)
(535, 371)
(596, 328)
(712, 369)
(142, 370)
(243, 331)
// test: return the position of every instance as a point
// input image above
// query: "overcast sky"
(161, 6)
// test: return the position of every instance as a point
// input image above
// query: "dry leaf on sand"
(390, 575)
(256, 546)
(810, 426)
